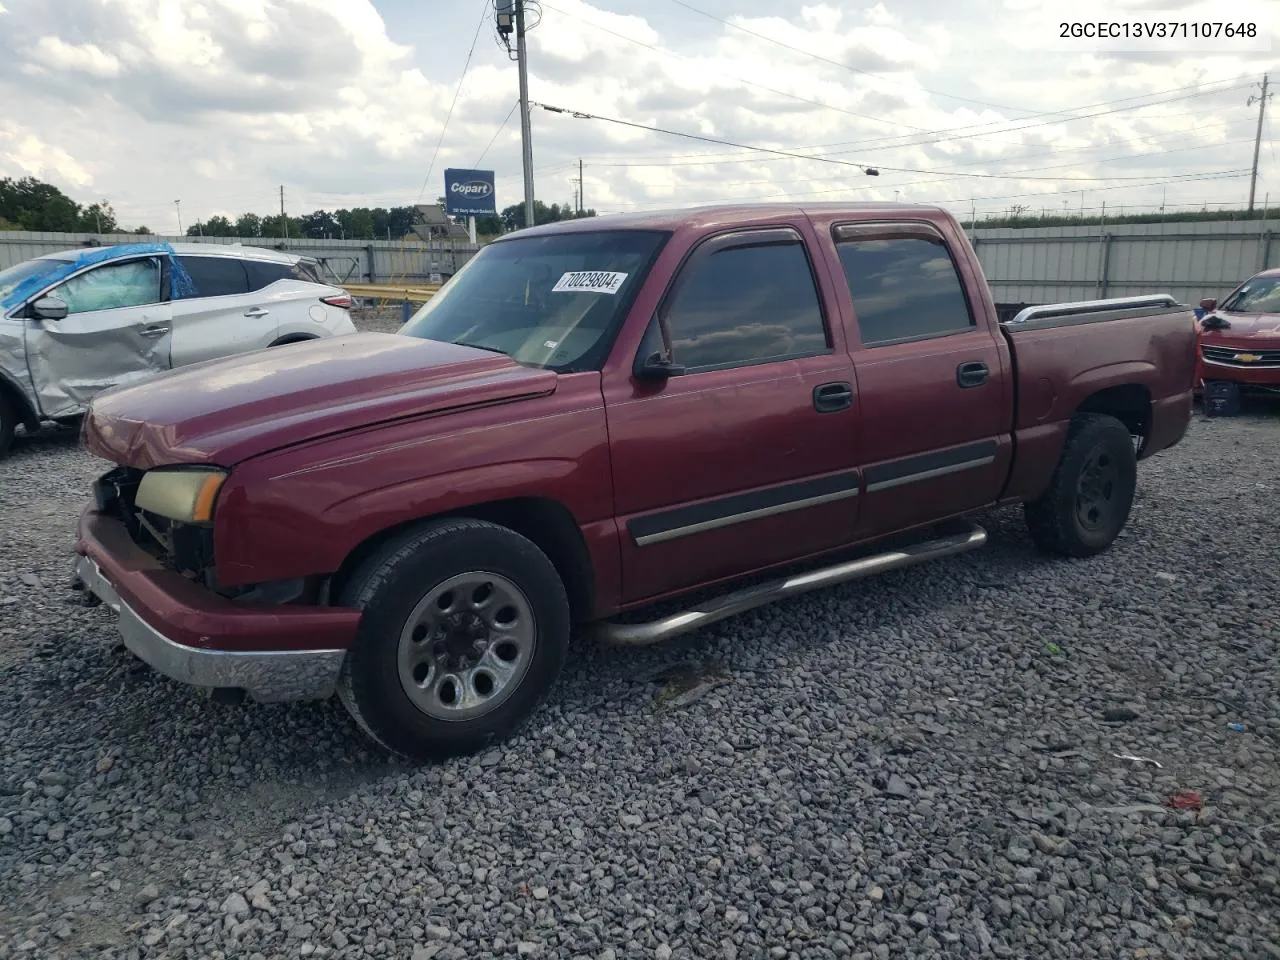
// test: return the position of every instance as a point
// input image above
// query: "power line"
(964, 128)
(1061, 115)
(1056, 166)
(501, 127)
(871, 144)
(865, 168)
(1222, 175)
(750, 83)
(484, 15)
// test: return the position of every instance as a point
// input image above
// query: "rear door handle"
(154, 330)
(256, 312)
(830, 397)
(972, 374)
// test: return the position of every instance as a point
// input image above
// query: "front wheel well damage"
(19, 404)
(545, 522)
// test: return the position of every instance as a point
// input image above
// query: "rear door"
(933, 381)
(748, 457)
(218, 316)
(116, 332)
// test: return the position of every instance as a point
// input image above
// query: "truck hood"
(1246, 329)
(226, 411)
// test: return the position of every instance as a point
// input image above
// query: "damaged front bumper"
(272, 653)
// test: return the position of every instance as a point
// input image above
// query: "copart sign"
(469, 193)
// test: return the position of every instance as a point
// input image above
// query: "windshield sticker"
(589, 281)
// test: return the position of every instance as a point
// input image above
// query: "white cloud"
(220, 101)
(25, 154)
(54, 54)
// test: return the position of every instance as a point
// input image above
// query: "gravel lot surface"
(921, 765)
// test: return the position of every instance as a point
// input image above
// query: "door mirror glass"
(49, 308)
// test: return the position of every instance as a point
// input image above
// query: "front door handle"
(256, 312)
(972, 374)
(154, 330)
(830, 397)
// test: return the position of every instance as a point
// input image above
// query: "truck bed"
(1057, 366)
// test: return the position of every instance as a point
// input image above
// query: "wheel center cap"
(465, 636)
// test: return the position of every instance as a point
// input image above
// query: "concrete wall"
(354, 261)
(1189, 261)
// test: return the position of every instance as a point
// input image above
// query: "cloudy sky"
(972, 103)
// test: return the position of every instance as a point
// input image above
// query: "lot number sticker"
(589, 281)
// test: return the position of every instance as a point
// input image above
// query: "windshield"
(9, 279)
(1261, 295)
(552, 301)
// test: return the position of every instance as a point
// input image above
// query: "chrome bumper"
(269, 677)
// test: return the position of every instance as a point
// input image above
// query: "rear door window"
(263, 273)
(904, 287)
(215, 276)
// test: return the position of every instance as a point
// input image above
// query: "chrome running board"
(729, 604)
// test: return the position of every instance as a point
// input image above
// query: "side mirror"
(1208, 304)
(49, 308)
(657, 367)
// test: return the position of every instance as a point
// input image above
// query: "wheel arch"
(546, 522)
(1130, 403)
(19, 402)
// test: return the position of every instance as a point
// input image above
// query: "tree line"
(31, 204)
(370, 223)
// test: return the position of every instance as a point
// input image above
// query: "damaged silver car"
(77, 323)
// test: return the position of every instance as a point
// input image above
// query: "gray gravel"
(916, 766)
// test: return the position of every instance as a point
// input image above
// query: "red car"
(1239, 343)
(599, 414)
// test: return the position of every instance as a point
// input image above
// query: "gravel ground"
(921, 765)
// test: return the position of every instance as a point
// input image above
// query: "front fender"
(302, 511)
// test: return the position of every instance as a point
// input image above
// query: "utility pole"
(1257, 140)
(177, 205)
(526, 135)
(284, 221)
(509, 18)
(582, 189)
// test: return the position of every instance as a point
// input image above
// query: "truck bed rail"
(1092, 311)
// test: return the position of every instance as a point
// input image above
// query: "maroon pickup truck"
(595, 416)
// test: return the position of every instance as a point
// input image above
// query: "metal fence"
(343, 261)
(1023, 265)
(1189, 261)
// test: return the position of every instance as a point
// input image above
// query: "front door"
(747, 458)
(116, 332)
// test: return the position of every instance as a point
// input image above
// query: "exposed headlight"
(182, 493)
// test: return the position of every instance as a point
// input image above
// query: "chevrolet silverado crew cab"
(594, 416)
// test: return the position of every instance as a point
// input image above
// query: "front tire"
(1091, 492)
(465, 630)
(8, 424)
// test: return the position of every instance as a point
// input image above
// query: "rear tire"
(8, 424)
(1091, 492)
(465, 631)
